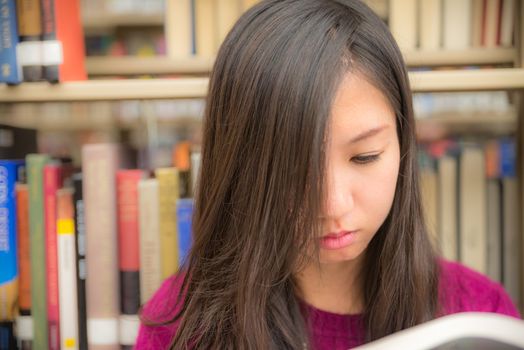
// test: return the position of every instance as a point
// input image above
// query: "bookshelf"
(145, 89)
(130, 65)
(187, 78)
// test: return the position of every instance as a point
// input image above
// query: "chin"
(338, 256)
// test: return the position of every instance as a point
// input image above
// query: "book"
(511, 242)
(472, 206)
(206, 35)
(24, 322)
(150, 252)
(29, 49)
(456, 24)
(129, 259)
(430, 17)
(490, 23)
(181, 161)
(10, 70)
(51, 47)
(227, 12)
(184, 214)
(448, 218)
(9, 170)
(494, 210)
(403, 23)
(16, 143)
(507, 23)
(80, 236)
(467, 330)
(99, 165)
(178, 28)
(35, 166)
(67, 269)
(52, 182)
(69, 32)
(167, 197)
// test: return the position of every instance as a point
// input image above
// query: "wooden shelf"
(125, 20)
(108, 66)
(106, 90)
(469, 57)
(468, 80)
(143, 89)
(441, 125)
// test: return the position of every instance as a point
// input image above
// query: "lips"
(337, 240)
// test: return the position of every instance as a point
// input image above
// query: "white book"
(448, 220)
(430, 24)
(403, 23)
(472, 209)
(456, 24)
(67, 271)
(150, 263)
(178, 24)
(468, 330)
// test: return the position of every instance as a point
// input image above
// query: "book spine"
(80, 260)
(10, 71)
(70, 33)
(7, 335)
(52, 180)
(51, 48)
(99, 164)
(129, 260)
(29, 49)
(67, 276)
(184, 214)
(167, 197)
(8, 241)
(181, 161)
(24, 259)
(35, 166)
(150, 262)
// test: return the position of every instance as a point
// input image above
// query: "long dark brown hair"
(261, 184)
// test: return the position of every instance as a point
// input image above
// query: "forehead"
(359, 105)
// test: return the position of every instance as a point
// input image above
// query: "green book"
(35, 165)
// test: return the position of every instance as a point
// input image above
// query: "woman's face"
(363, 159)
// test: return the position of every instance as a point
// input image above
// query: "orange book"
(24, 251)
(69, 32)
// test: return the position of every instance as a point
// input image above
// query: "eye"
(366, 158)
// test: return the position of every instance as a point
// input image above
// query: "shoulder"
(162, 307)
(462, 289)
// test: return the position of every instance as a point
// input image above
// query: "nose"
(339, 200)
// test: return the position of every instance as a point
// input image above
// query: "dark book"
(16, 143)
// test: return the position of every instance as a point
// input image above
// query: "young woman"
(308, 229)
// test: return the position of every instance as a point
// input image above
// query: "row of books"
(93, 8)
(81, 252)
(452, 24)
(471, 200)
(41, 40)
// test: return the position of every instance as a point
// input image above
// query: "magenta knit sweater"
(461, 289)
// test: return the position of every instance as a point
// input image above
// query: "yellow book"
(167, 196)
(227, 13)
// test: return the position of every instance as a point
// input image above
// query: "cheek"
(380, 194)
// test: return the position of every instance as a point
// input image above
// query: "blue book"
(184, 214)
(10, 71)
(508, 157)
(9, 171)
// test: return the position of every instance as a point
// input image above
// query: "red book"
(70, 33)
(52, 182)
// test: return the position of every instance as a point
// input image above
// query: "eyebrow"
(368, 133)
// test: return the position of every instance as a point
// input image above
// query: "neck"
(333, 287)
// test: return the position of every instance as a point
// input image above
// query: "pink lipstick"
(337, 240)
